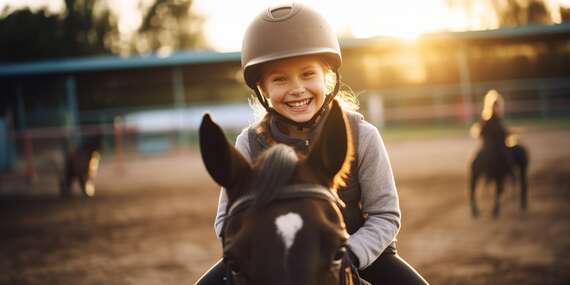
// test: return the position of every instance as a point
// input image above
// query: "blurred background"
(138, 75)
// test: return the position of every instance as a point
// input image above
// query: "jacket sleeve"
(379, 198)
(242, 146)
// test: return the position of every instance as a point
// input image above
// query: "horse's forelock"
(273, 171)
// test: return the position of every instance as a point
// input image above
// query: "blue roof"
(506, 33)
(115, 62)
(202, 57)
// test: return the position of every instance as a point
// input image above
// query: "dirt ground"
(152, 222)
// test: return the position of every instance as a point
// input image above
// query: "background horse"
(81, 164)
(283, 224)
(496, 164)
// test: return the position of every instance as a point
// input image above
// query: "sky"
(229, 19)
(226, 20)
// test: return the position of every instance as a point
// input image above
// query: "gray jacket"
(380, 202)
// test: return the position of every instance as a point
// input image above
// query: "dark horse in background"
(496, 160)
(283, 222)
(80, 164)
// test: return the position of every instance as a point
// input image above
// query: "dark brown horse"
(283, 223)
(497, 161)
(81, 163)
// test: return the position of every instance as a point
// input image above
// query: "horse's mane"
(275, 168)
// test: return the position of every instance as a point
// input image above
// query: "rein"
(297, 191)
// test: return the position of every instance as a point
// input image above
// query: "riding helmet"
(286, 31)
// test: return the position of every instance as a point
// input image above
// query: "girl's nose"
(297, 87)
(297, 91)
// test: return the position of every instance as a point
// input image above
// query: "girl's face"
(295, 86)
(498, 109)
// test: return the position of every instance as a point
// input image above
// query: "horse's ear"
(222, 160)
(332, 151)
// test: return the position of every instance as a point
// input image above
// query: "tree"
(517, 13)
(27, 35)
(84, 28)
(565, 14)
(169, 25)
(89, 27)
(508, 13)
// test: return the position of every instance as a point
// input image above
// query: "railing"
(128, 128)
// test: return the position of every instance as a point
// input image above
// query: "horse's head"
(92, 142)
(283, 224)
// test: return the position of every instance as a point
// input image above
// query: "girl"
(290, 59)
(500, 155)
(490, 127)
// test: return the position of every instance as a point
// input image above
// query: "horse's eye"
(339, 255)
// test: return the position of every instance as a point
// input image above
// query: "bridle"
(291, 192)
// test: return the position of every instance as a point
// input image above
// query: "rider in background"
(490, 126)
(501, 152)
(496, 137)
(290, 60)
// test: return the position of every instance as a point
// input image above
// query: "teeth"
(299, 103)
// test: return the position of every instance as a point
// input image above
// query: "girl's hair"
(492, 98)
(347, 99)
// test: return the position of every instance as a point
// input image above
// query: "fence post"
(376, 110)
(543, 103)
(179, 102)
(71, 120)
(465, 81)
(118, 132)
(29, 155)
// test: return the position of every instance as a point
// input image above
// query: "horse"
(81, 164)
(496, 163)
(283, 221)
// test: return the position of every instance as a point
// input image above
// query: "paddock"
(152, 223)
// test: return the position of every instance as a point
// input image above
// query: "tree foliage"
(519, 13)
(26, 35)
(509, 13)
(169, 25)
(83, 28)
(89, 27)
(565, 14)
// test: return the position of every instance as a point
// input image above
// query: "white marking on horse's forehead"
(287, 227)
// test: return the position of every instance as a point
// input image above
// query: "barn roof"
(514, 34)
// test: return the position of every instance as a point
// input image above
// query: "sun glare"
(406, 19)
(403, 19)
(226, 21)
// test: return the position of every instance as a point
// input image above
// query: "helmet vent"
(281, 12)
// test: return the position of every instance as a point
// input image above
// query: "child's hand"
(475, 130)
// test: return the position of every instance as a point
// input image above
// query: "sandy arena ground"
(152, 223)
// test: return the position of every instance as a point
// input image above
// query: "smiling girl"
(290, 60)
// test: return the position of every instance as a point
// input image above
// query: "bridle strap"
(295, 191)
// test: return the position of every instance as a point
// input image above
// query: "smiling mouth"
(298, 104)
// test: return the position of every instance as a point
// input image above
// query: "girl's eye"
(278, 79)
(309, 73)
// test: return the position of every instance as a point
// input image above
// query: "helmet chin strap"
(301, 125)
